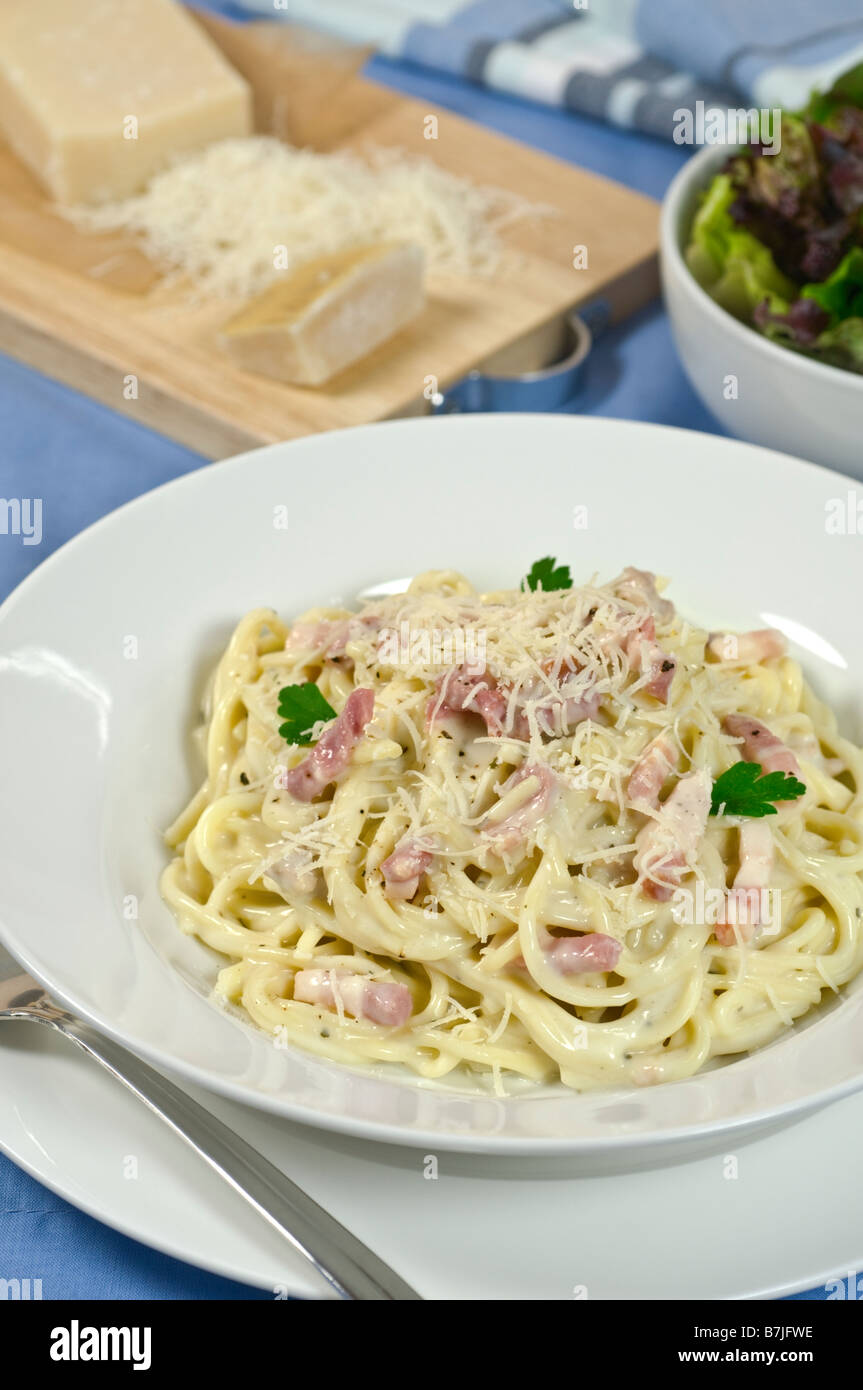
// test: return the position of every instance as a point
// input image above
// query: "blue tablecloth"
(84, 460)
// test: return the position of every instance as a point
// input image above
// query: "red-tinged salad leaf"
(779, 196)
(840, 150)
(827, 319)
(800, 326)
(824, 248)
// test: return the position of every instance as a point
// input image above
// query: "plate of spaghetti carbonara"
(477, 783)
(556, 832)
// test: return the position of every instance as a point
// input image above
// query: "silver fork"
(350, 1268)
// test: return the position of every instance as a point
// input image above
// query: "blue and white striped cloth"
(632, 62)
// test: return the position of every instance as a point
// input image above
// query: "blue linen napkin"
(634, 63)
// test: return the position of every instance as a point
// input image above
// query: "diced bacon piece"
(645, 654)
(326, 636)
(493, 706)
(455, 693)
(387, 1003)
(558, 716)
(362, 625)
(381, 1001)
(460, 691)
(739, 917)
(404, 868)
(639, 587)
(452, 694)
(747, 647)
(506, 828)
(650, 772)
(665, 845)
(556, 712)
(583, 955)
(636, 637)
(619, 630)
(757, 852)
(315, 987)
(331, 754)
(330, 636)
(743, 901)
(562, 702)
(660, 669)
(575, 711)
(760, 745)
(660, 880)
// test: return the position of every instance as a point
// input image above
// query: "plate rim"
(469, 420)
(211, 1264)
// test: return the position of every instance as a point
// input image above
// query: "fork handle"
(349, 1267)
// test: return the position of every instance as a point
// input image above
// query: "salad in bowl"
(777, 239)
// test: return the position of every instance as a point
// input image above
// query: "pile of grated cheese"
(218, 220)
(525, 633)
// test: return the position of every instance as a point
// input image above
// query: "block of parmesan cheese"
(96, 95)
(327, 313)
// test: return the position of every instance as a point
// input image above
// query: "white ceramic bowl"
(95, 748)
(783, 400)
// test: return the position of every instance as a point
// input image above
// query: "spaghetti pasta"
(499, 856)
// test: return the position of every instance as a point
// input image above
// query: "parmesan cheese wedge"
(327, 313)
(97, 95)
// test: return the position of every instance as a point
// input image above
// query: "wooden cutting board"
(87, 310)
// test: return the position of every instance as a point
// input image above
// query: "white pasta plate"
(103, 656)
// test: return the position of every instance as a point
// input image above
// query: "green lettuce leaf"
(841, 294)
(847, 90)
(729, 262)
(842, 346)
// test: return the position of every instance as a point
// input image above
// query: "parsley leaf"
(543, 574)
(301, 706)
(744, 791)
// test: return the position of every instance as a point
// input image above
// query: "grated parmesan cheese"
(229, 220)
